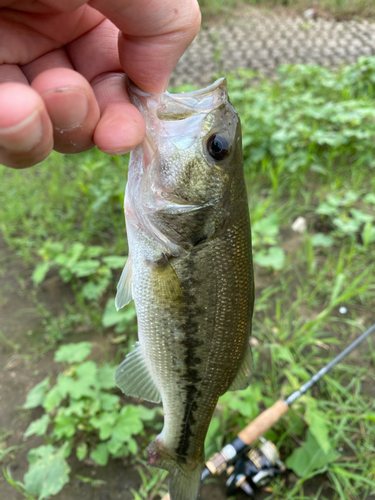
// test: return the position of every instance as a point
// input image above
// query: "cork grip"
(263, 422)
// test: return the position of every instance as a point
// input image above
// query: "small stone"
(299, 225)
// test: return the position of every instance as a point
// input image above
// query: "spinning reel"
(254, 469)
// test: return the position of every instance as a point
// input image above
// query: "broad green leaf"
(75, 251)
(84, 268)
(93, 291)
(94, 251)
(239, 402)
(310, 457)
(274, 258)
(143, 412)
(104, 423)
(368, 234)
(317, 421)
(76, 408)
(66, 274)
(38, 427)
(73, 353)
(109, 402)
(113, 317)
(115, 261)
(114, 445)
(361, 216)
(326, 209)
(40, 272)
(369, 198)
(106, 376)
(48, 471)
(347, 226)
(53, 398)
(50, 249)
(86, 376)
(100, 454)
(133, 446)
(322, 240)
(36, 395)
(213, 438)
(63, 385)
(128, 423)
(81, 451)
(267, 226)
(84, 387)
(62, 259)
(65, 426)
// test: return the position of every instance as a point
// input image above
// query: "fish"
(189, 271)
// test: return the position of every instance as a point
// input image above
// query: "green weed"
(81, 415)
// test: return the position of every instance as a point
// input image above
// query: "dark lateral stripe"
(190, 343)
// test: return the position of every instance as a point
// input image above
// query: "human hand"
(63, 66)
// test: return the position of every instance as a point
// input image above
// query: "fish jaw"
(171, 172)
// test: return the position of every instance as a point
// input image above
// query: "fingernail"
(24, 136)
(67, 107)
(116, 152)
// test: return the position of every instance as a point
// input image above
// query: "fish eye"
(218, 147)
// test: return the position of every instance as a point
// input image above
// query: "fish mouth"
(174, 107)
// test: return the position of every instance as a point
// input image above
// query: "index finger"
(154, 35)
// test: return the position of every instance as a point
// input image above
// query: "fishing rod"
(267, 419)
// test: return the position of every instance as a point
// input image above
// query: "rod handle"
(263, 422)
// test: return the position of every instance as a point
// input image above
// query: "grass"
(308, 150)
(339, 9)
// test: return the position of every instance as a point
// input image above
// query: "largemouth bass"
(189, 271)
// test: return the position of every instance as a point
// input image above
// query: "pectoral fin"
(243, 377)
(125, 286)
(134, 379)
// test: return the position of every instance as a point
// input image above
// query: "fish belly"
(194, 319)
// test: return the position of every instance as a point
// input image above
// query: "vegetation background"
(309, 150)
(339, 9)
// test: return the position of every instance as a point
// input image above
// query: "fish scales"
(190, 269)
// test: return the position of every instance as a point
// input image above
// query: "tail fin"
(184, 484)
(184, 479)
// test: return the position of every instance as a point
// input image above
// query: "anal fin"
(134, 379)
(245, 372)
